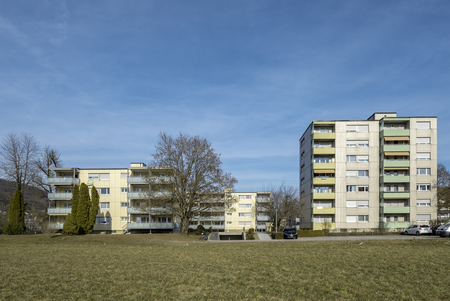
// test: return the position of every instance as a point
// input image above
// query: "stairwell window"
(423, 187)
(423, 156)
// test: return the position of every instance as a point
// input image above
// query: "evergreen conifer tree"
(94, 209)
(70, 226)
(16, 215)
(75, 198)
(84, 204)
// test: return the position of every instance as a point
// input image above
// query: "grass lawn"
(173, 267)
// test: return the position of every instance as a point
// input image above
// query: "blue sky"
(98, 80)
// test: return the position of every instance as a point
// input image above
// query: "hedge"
(310, 233)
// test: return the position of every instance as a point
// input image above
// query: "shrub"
(310, 233)
(70, 226)
(14, 228)
(200, 229)
(250, 234)
(278, 235)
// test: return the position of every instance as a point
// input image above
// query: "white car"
(418, 230)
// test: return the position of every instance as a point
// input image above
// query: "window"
(423, 156)
(93, 176)
(164, 219)
(423, 203)
(351, 188)
(322, 189)
(351, 204)
(351, 218)
(424, 140)
(363, 204)
(104, 191)
(351, 128)
(422, 125)
(363, 218)
(67, 205)
(363, 173)
(124, 219)
(124, 190)
(104, 177)
(241, 215)
(362, 128)
(351, 173)
(363, 158)
(245, 206)
(123, 175)
(67, 190)
(218, 223)
(363, 188)
(102, 220)
(363, 143)
(124, 205)
(321, 160)
(351, 158)
(423, 171)
(229, 223)
(351, 143)
(245, 197)
(423, 187)
(229, 214)
(423, 217)
(104, 205)
(138, 189)
(245, 224)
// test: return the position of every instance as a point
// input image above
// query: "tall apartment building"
(124, 208)
(366, 174)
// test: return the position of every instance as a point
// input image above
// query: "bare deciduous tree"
(284, 204)
(47, 159)
(196, 180)
(17, 161)
(443, 189)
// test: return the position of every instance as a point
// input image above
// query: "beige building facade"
(125, 209)
(369, 174)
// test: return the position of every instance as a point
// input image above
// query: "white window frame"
(124, 219)
(363, 218)
(105, 190)
(104, 206)
(350, 157)
(124, 205)
(423, 171)
(352, 188)
(423, 125)
(229, 214)
(123, 175)
(363, 143)
(123, 190)
(365, 173)
(423, 156)
(423, 203)
(423, 217)
(423, 140)
(365, 188)
(363, 158)
(352, 173)
(351, 218)
(93, 176)
(351, 204)
(229, 223)
(423, 187)
(363, 204)
(351, 143)
(104, 177)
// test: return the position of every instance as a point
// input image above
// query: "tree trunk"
(184, 225)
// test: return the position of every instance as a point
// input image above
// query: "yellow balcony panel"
(324, 181)
(319, 226)
(395, 210)
(324, 196)
(324, 151)
(324, 211)
(395, 225)
(395, 195)
(324, 136)
(324, 166)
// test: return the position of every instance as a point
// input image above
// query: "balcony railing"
(59, 210)
(395, 179)
(324, 210)
(395, 210)
(59, 195)
(63, 181)
(395, 163)
(394, 225)
(132, 225)
(395, 194)
(57, 226)
(138, 180)
(263, 218)
(210, 218)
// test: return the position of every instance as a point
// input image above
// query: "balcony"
(395, 179)
(395, 163)
(213, 227)
(395, 148)
(135, 195)
(210, 218)
(57, 226)
(59, 210)
(262, 227)
(136, 180)
(395, 195)
(319, 226)
(324, 151)
(324, 196)
(136, 210)
(394, 225)
(324, 181)
(144, 211)
(63, 181)
(324, 136)
(131, 226)
(324, 166)
(395, 210)
(263, 218)
(387, 133)
(60, 196)
(324, 210)
(161, 180)
(262, 200)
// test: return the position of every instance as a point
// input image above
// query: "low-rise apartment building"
(124, 207)
(367, 174)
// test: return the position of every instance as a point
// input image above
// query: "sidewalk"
(263, 236)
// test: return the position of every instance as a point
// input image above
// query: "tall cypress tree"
(16, 215)
(75, 198)
(94, 209)
(70, 226)
(84, 204)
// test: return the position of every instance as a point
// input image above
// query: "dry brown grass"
(173, 267)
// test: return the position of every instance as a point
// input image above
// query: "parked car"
(290, 233)
(418, 230)
(445, 231)
(438, 230)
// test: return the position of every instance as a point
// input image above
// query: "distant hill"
(33, 198)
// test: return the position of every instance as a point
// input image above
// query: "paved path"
(264, 236)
